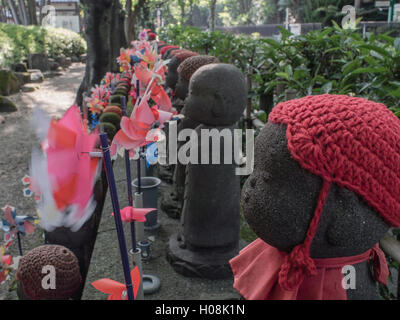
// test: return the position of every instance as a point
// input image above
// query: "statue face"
(182, 88)
(172, 76)
(279, 199)
(217, 95)
(200, 102)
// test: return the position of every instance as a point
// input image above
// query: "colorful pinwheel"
(99, 99)
(64, 173)
(152, 82)
(117, 290)
(13, 224)
(135, 131)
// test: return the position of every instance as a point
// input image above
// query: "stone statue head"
(177, 58)
(217, 95)
(185, 71)
(330, 153)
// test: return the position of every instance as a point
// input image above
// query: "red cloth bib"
(256, 274)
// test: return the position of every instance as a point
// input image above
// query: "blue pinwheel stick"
(138, 163)
(117, 214)
(129, 179)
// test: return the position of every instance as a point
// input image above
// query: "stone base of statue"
(207, 263)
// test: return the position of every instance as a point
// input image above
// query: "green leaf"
(283, 75)
(395, 93)
(327, 87)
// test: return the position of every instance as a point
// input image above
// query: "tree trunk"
(104, 32)
(130, 22)
(3, 17)
(14, 11)
(32, 12)
(41, 5)
(183, 13)
(213, 4)
(190, 15)
(22, 12)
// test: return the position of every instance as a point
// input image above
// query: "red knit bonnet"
(349, 141)
(183, 54)
(166, 48)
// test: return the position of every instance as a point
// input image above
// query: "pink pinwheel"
(117, 290)
(130, 214)
(109, 78)
(151, 82)
(67, 177)
(99, 99)
(135, 130)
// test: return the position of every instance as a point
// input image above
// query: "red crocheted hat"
(152, 36)
(166, 48)
(349, 141)
(182, 55)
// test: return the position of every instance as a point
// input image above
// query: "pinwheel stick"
(138, 161)
(128, 180)
(19, 244)
(117, 214)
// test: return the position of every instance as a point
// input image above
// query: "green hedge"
(16, 42)
(332, 60)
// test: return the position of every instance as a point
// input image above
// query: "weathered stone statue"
(177, 58)
(185, 71)
(320, 197)
(209, 235)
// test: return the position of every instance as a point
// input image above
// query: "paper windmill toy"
(130, 214)
(135, 131)
(64, 173)
(13, 224)
(117, 290)
(152, 80)
(5, 262)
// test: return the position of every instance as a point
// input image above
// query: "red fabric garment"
(256, 274)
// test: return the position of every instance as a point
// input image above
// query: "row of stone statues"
(314, 200)
(324, 190)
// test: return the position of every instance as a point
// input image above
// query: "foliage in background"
(332, 60)
(17, 41)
